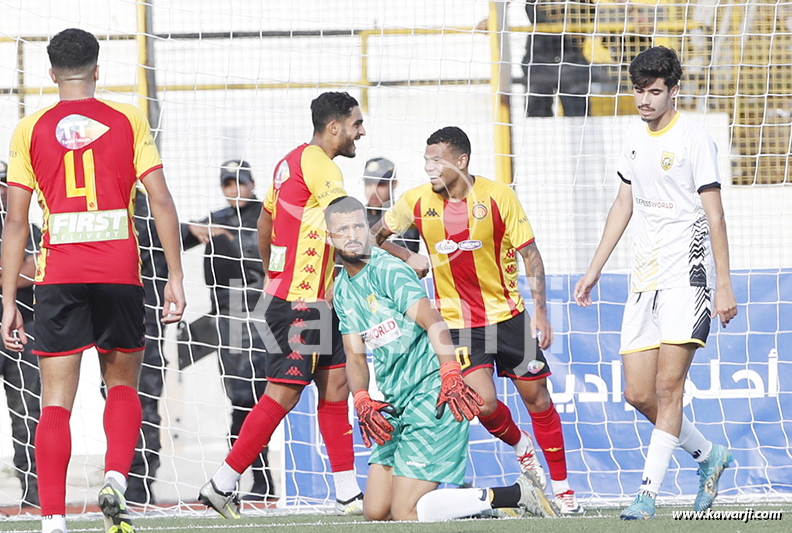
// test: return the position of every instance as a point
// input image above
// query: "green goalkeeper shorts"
(423, 447)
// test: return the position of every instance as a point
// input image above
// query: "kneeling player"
(419, 445)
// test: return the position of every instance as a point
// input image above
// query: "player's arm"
(379, 237)
(725, 303)
(461, 399)
(373, 425)
(167, 222)
(534, 268)
(264, 226)
(15, 236)
(618, 218)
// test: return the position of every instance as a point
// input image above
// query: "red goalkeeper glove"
(373, 425)
(461, 399)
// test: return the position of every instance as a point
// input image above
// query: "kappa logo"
(311, 252)
(295, 355)
(298, 323)
(511, 269)
(304, 286)
(310, 269)
(296, 339)
(431, 213)
(300, 305)
(293, 371)
(667, 160)
(313, 235)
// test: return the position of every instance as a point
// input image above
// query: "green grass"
(596, 521)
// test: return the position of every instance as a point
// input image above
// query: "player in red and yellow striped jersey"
(474, 229)
(292, 242)
(83, 157)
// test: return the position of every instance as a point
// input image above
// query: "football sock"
(52, 523)
(116, 479)
(346, 485)
(505, 496)
(661, 448)
(560, 486)
(255, 433)
(337, 435)
(692, 441)
(122, 418)
(225, 479)
(501, 425)
(550, 438)
(53, 450)
(445, 504)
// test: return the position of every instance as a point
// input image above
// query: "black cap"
(379, 169)
(3, 172)
(236, 168)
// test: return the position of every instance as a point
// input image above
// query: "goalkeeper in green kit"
(420, 442)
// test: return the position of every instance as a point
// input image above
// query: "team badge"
(281, 174)
(535, 366)
(372, 302)
(667, 161)
(479, 211)
(76, 131)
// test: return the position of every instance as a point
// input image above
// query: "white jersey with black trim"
(668, 169)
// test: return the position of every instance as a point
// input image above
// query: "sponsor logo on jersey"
(535, 366)
(470, 245)
(381, 334)
(372, 302)
(88, 226)
(667, 160)
(653, 205)
(281, 174)
(479, 211)
(76, 131)
(446, 247)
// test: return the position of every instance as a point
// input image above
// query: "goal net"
(234, 80)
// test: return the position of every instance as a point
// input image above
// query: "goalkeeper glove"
(461, 399)
(373, 425)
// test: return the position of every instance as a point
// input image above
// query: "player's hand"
(373, 425)
(583, 288)
(541, 326)
(420, 264)
(13, 329)
(173, 307)
(461, 399)
(725, 305)
(204, 232)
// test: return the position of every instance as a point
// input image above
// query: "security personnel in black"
(235, 275)
(19, 371)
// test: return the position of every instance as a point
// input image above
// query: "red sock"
(53, 450)
(550, 437)
(337, 434)
(500, 424)
(122, 418)
(256, 431)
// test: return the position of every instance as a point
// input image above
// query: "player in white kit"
(671, 191)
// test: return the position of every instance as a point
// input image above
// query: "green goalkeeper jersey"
(373, 304)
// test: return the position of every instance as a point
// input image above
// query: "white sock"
(53, 522)
(525, 442)
(346, 485)
(692, 441)
(661, 448)
(445, 504)
(560, 487)
(225, 479)
(118, 480)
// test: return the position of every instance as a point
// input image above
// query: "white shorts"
(666, 316)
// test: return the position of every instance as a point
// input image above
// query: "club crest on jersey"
(667, 161)
(281, 174)
(76, 131)
(372, 302)
(479, 211)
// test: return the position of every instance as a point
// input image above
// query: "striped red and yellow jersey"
(301, 261)
(83, 158)
(472, 245)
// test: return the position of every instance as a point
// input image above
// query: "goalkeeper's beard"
(353, 258)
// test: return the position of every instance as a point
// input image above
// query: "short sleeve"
(623, 167)
(269, 200)
(399, 218)
(401, 283)
(20, 168)
(516, 223)
(322, 176)
(704, 160)
(147, 157)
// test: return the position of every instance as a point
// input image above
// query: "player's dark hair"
(343, 204)
(73, 50)
(453, 137)
(331, 106)
(653, 63)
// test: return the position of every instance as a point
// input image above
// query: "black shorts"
(300, 338)
(505, 343)
(73, 317)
